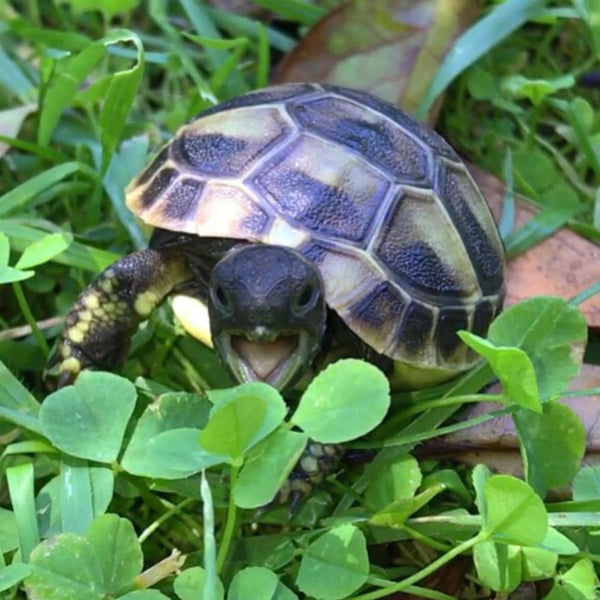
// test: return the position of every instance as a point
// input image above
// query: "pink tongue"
(264, 357)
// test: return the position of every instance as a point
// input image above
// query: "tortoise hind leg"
(100, 324)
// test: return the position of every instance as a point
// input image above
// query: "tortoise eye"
(306, 296)
(221, 297)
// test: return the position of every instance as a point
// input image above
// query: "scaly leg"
(99, 327)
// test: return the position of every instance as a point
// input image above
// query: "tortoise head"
(267, 313)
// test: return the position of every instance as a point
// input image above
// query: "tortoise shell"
(406, 245)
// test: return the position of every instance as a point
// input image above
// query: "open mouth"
(275, 361)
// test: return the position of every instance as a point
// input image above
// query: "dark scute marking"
(380, 307)
(275, 94)
(182, 199)
(482, 318)
(416, 327)
(449, 322)
(314, 252)
(153, 167)
(318, 206)
(158, 185)
(419, 265)
(488, 265)
(380, 143)
(213, 153)
(403, 119)
(156, 164)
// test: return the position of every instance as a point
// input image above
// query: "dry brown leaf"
(495, 443)
(391, 48)
(563, 265)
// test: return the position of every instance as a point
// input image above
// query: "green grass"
(100, 92)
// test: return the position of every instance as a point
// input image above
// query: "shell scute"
(270, 95)
(474, 223)
(182, 199)
(243, 218)
(379, 140)
(323, 188)
(449, 345)
(420, 247)
(157, 187)
(226, 145)
(406, 122)
(376, 314)
(414, 334)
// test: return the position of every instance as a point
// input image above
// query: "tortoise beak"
(276, 361)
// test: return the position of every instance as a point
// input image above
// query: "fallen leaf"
(562, 265)
(495, 443)
(391, 48)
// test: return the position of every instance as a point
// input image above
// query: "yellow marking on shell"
(222, 210)
(72, 365)
(419, 217)
(92, 301)
(283, 234)
(135, 191)
(256, 126)
(193, 315)
(145, 302)
(75, 334)
(345, 275)
(335, 167)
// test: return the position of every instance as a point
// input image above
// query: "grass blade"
(76, 255)
(20, 485)
(76, 500)
(158, 13)
(64, 86)
(119, 98)
(17, 404)
(210, 553)
(126, 163)
(218, 59)
(539, 227)
(507, 220)
(14, 80)
(294, 10)
(28, 191)
(590, 291)
(62, 40)
(264, 58)
(239, 26)
(478, 40)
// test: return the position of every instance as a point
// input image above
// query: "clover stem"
(230, 522)
(412, 589)
(434, 566)
(24, 306)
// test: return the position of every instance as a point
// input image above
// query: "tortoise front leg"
(98, 328)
